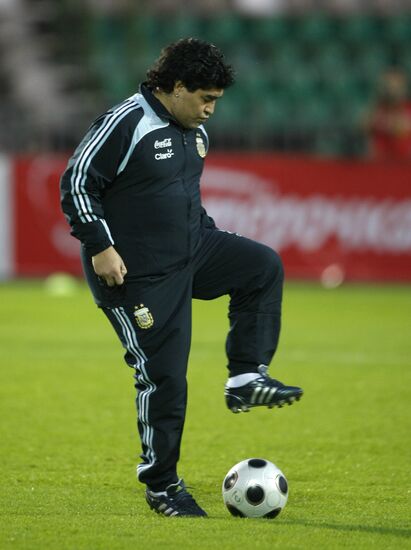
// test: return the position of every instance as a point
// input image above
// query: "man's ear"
(178, 87)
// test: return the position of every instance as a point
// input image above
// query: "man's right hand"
(109, 265)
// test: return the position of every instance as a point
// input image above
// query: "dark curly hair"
(197, 64)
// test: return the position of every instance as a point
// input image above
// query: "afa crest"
(144, 318)
(201, 148)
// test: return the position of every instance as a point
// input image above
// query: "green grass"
(68, 445)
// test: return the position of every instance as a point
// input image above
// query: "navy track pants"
(153, 322)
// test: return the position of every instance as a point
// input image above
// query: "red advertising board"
(353, 218)
(42, 240)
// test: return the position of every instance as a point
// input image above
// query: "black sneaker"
(176, 502)
(263, 391)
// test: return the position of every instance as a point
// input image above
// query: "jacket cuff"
(95, 236)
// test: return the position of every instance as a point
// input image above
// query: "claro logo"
(167, 155)
(246, 204)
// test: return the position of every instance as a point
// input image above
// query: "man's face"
(191, 109)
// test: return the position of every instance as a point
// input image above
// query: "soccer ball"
(255, 488)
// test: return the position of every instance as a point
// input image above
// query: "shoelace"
(263, 370)
(185, 498)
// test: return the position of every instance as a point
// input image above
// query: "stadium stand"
(44, 86)
(305, 78)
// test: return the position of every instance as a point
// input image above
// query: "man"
(388, 124)
(131, 194)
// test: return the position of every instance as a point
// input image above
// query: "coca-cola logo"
(252, 206)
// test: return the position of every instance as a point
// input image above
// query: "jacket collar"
(155, 104)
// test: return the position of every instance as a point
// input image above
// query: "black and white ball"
(255, 488)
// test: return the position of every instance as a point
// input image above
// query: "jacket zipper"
(185, 143)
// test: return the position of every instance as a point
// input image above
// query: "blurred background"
(320, 114)
(308, 70)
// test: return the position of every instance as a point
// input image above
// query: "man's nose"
(209, 109)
